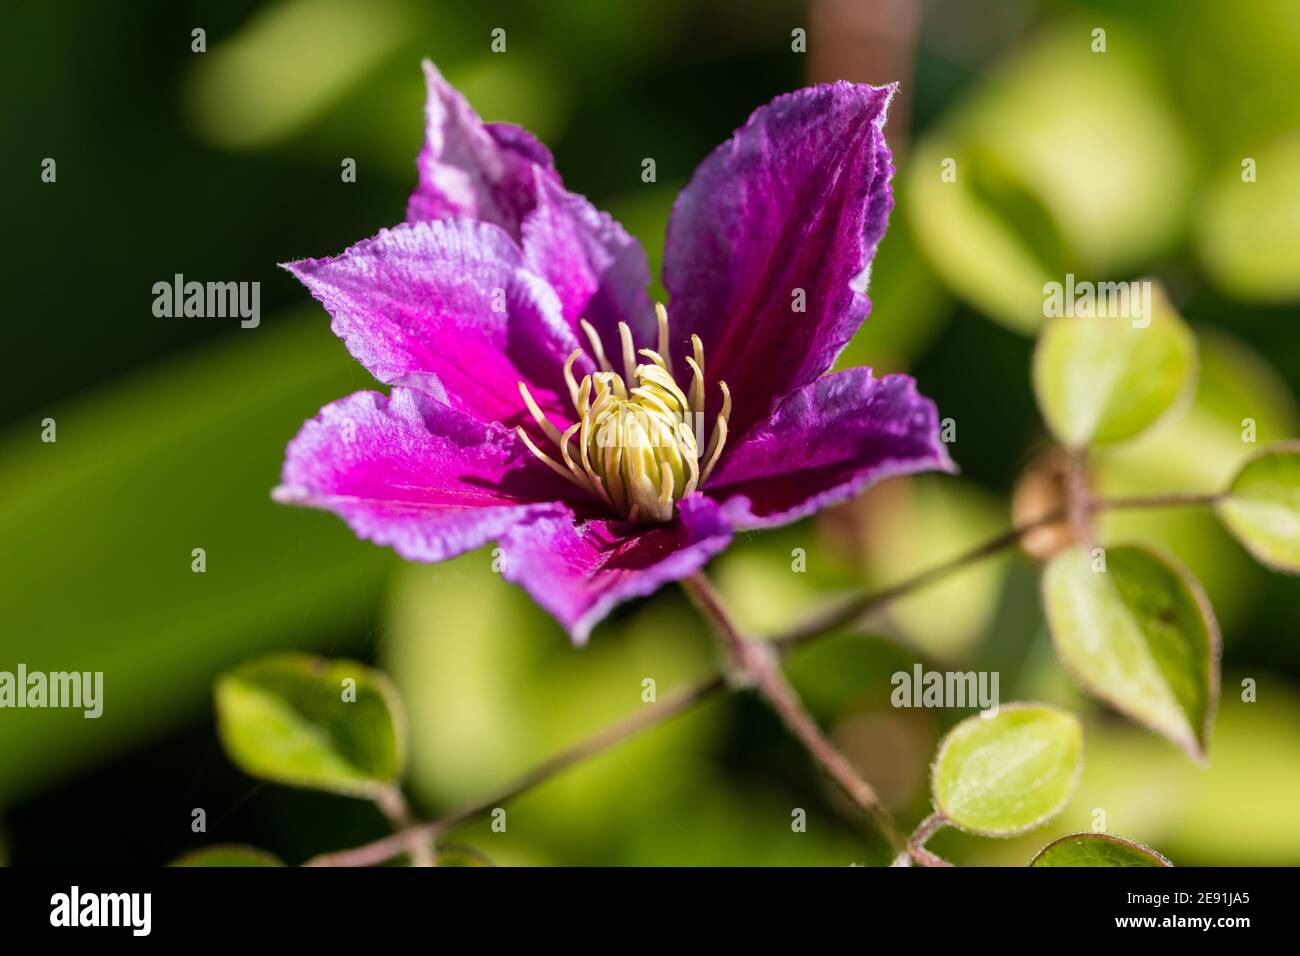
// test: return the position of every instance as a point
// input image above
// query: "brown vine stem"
(1081, 504)
(845, 614)
(394, 806)
(385, 849)
(1156, 501)
(758, 665)
(916, 842)
(854, 609)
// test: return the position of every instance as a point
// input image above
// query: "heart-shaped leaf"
(309, 722)
(1008, 773)
(1106, 379)
(228, 854)
(1262, 507)
(1097, 849)
(1136, 630)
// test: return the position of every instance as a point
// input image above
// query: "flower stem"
(388, 847)
(924, 830)
(1081, 503)
(848, 612)
(394, 806)
(1156, 501)
(756, 663)
(855, 608)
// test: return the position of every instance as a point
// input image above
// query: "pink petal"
(828, 441)
(793, 204)
(470, 169)
(450, 308)
(579, 573)
(415, 474)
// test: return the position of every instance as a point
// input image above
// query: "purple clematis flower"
(539, 400)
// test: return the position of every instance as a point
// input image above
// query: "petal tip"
(290, 494)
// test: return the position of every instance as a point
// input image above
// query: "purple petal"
(579, 573)
(470, 169)
(448, 307)
(596, 268)
(502, 174)
(413, 473)
(796, 200)
(828, 441)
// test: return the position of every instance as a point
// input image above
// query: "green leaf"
(260, 73)
(1262, 507)
(1140, 635)
(166, 460)
(449, 855)
(1249, 232)
(1002, 775)
(228, 854)
(309, 722)
(1025, 200)
(1239, 396)
(1109, 379)
(1096, 849)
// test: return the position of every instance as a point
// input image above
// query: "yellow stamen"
(639, 450)
(661, 317)
(629, 353)
(568, 376)
(550, 430)
(597, 349)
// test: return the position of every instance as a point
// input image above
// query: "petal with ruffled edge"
(502, 174)
(828, 441)
(596, 268)
(796, 200)
(413, 473)
(579, 573)
(450, 308)
(468, 168)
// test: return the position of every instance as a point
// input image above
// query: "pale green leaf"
(1262, 507)
(1242, 404)
(1249, 237)
(228, 855)
(1008, 773)
(1140, 635)
(453, 855)
(1025, 198)
(309, 722)
(1097, 849)
(263, 84)
(164, 461)
(1109, 379)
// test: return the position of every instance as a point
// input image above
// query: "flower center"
(638, 443)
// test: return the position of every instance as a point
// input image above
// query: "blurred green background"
(218, 165)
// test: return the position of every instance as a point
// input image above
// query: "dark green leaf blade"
(1097, 849)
